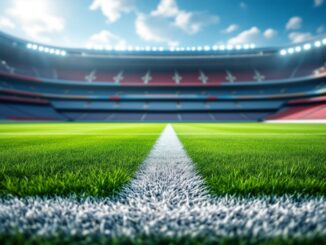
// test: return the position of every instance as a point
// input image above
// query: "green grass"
(258, 159)
(78, 158)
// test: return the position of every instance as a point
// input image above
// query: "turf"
(258, 159)
(72, 159)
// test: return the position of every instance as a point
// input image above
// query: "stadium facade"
(50, 84)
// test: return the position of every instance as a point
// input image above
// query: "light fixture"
(283, 52)
(207, 48)
(222, 47)
(229, 47)
(291, 50)
(298, 49)
(215, 47)
(307, 46)
(108, 48)
(317, 44)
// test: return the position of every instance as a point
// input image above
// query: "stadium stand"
(87, 86)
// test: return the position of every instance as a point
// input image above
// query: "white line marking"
(166, 198)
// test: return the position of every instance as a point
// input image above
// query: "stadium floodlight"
(246, 46)
(207, 48)
(182, 49)
(161, 49)
(324, 41)
(51, 51)
(29, 45)
(147, 48)
(108, 48)
(46, 50)
(34, 46)
(199, 48)
(63, 53)
(215, 47)
(193, 48)
(229, 47)
(298, 49)
(41, 48)
(252, 46)
(57, 52)
(307, 46)
(222, 47)
(172, 49)
(283, 52)
(317, 44)
(238, 47)
(291, 50)
(130, 48)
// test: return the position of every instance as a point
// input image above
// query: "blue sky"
(166, 23)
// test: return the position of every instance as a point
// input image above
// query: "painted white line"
(167, 198)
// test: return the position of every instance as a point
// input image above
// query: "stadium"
(220, 144)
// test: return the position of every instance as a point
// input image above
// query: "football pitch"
(77, 165)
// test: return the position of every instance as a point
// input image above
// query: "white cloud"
(112, 9)
(34, 18)
(320, 29)
(6, 23)
(189, 22)
(270, 33)
(166, 8)
(164, 23)
(299, 37)
(146, 29)
(294, 23)
(231, 28)
(105, 38)
(246, 36)
(318, 3)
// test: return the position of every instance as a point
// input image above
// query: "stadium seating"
(147, 88)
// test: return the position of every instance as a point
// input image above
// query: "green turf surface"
(77, 158)
(258, 159)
